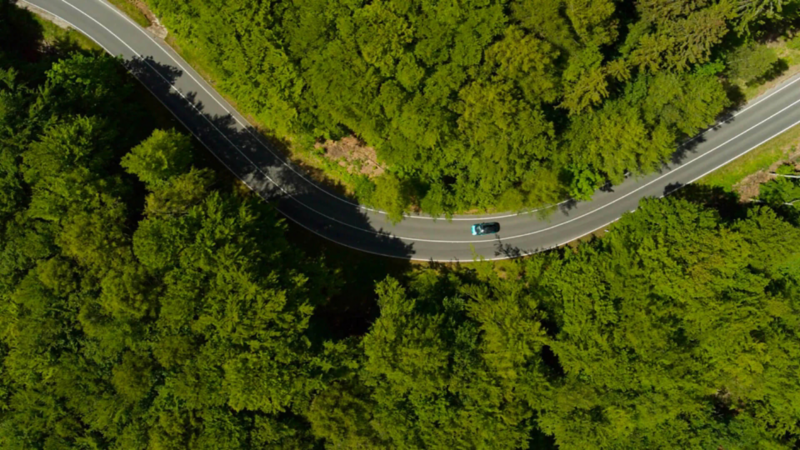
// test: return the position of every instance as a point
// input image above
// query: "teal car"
(479, 229)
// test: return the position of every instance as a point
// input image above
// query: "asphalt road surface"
(262, 167)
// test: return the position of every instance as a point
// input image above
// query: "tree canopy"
(146, 304)
(141, 306)
(676, 330)
(480, 103)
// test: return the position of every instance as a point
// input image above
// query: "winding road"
(229, 136)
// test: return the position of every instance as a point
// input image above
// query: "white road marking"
(761, 99)
(257, 168)
(643, 186)
(223, 162)
(521, 252)
(233, 113)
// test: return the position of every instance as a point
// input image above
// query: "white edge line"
(280, 158)
(254, 165)
(760, 99)
(409, 216)
(243, 125)
(223, 162)
(302, 176)
(262, 196)
(643, 186)
(524, 253)
(533, 252)
(257, 168)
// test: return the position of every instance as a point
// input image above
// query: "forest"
(146, 302)
(488, 104)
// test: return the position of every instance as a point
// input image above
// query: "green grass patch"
(760, 158)
(132, 11)
(778, 149)
(53, 35)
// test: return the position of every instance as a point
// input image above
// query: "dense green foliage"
(162, 314)
(676, 330)
(752, 61)
(144, 305)
(481, 103)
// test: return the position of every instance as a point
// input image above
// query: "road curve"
(229, 136)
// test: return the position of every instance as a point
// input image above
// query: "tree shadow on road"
(316, 216)
(262, 168)
(510, 251)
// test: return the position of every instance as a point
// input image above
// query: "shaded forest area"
(484, 103)
(146, 304)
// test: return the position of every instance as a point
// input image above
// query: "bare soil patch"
(748, 188)
(155, 25)
(353, 155)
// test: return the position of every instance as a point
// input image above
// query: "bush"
(751, 62)
(392, 196)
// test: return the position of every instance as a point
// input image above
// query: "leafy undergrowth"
(787, 50)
